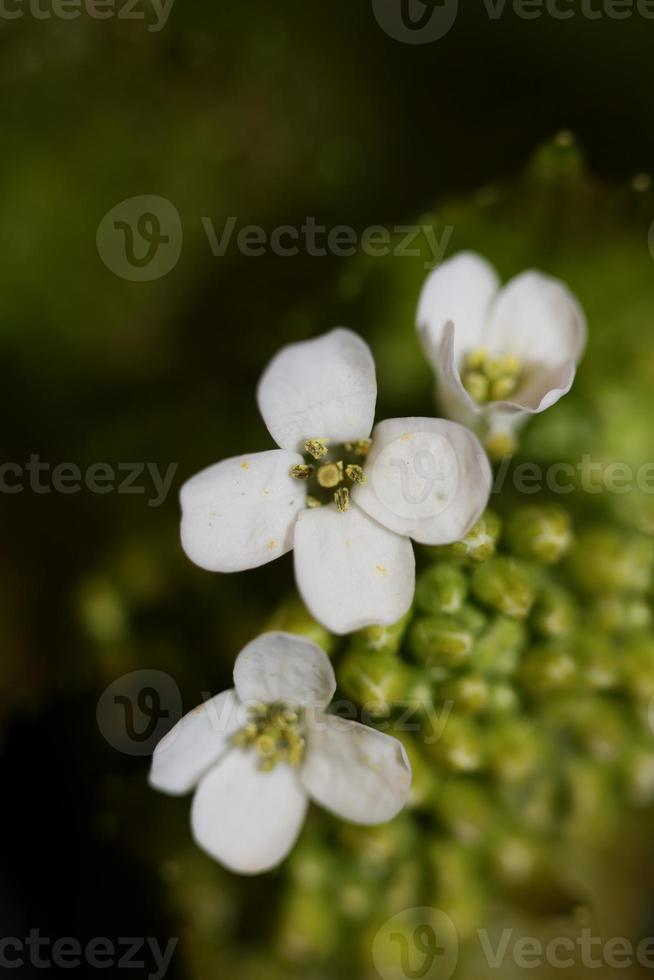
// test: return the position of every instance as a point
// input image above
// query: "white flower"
(425, 479)
(257, 754)
(499, 354)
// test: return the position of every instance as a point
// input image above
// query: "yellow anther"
(302, 471)
(359, 448)
(476, 359)
(490, 378)
(501, 388)
(477, 386)
(312, 502)
(356, 474)
(330, 475)
(342, 499)
(266, 743)
(316, 448)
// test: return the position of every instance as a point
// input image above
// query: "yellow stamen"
(356, 474)
(316, 448)
(302, 471)
(342, 499)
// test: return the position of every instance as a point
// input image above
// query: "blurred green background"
(272, 113)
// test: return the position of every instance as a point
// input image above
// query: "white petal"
(427, 478)
(461, 290)
(355, 772)
(538, 319)
(196, 743)
(240, 513)
(350, 571)
(283, 667)
(319, 389)
(247, 819)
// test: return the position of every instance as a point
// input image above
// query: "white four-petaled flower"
(418, 478)
(499, 354)
(257, 754)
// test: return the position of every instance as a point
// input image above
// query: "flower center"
(332, 471)
(276, 732)
(490, 379)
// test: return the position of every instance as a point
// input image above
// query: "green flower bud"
(514, 858)
(460, 746)
(515, 748)
(638, 773)
(506, 585)
(591, 800)
(554, 613)
(468, 693)
(293, 617)
(603, 560)
(638, 668)
(424, 782)
(599, 662)
(308, 929)
(539, 532)
(548, 669)
(458, 885)
(597, 724)
(376, 680)
(377, 846)
(441, 589)
(621, 614)
(382, 639)
(497, 650)
(502, 698)
(478, 545)
(465, 808)
(440, 641)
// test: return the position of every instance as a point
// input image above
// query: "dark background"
(270, 112)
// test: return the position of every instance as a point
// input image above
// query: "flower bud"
(548, 669)
(384, 639)
(515, 749)
(468, 693)
(603, 560)
(599, 661)
(554, 613)
(459, 886)
(374, 680)
(441, 589)
(638, 668)
(497, 650)
(424, 782)
(440, 641)
(292, 617)
(478, 545)
(506, 585)
(460, 746)
(465, 808)
(620, 614)
(539, 532)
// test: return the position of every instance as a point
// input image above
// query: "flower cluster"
(349, 499)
